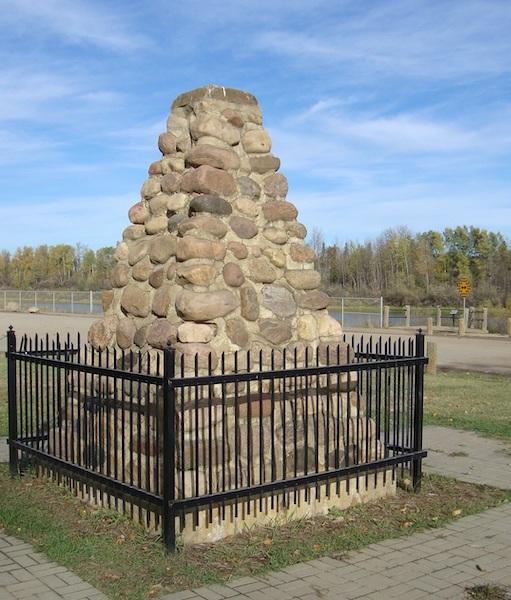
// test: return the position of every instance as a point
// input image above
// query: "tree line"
(56, 267)
(419, 269)
(403, 267)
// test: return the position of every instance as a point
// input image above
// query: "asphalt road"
(473, 352)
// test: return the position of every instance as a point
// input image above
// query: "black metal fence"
(138, 431)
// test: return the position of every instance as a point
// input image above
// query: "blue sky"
(388, 113)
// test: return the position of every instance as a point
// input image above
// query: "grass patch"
(120, 558)
(488, 591)
(473, 401)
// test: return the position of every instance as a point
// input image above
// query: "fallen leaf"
(316, 548)
(456, 513)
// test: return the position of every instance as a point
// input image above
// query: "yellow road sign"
(464, 287)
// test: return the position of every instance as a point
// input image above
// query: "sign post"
(464, 288)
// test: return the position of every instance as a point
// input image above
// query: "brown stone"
(155, 168)
(214, 92)
(135, 301)
(236, 332)
(238, 250)
(160, 333)
(171, 182)
(204, 306)
(219, 158)
(121, 251)
(276, 185)
(138, 213)
(280, 211)
(197, 274)
(210, 203)
(208, 180)
(140, 337)
(276, 256)
(158, 205)
(125, 333)
(119, 276)
(248, 187)
(203, 224)
(162, 300)
(233, 117)
(314, 300)
(162, 248)
(296, 229)
(195, 333)
(193, 247)
(246, 207)
(141, 271)
(233, 275)
(249, 304)
(279, 300)
(156, 278)
(150, 188)
(275, 235)
(275, 332)
(329, 327)
(244, 228)
(256, 141)
(208, 124)
(156, 225)
(301, 253)
(260, 270)
(102, 331)
(200, 355)
(264, 164)
(167, 143)
(303, 279)
(133, 232)
(335, 353)
(307, 328)
(107, 297)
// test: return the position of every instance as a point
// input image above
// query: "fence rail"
(67, 301)
(141, 432)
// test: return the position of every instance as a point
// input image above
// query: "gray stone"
(208, 124)
(246, 207)
(214, 92)
(204, 306)
(141, 271)
(156, 225)
(249, 304)
(176, 202)
(133, 232)
(150, 188)
(244, 228)
(211, 204)
(248, 187)
(158, 205)
(275, 235)
(279, 300)
(138, 251)
(174, 221)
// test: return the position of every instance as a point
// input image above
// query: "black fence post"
(418, 411)
(12, 400)
(169, 416)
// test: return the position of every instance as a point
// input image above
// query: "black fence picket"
(140, 431)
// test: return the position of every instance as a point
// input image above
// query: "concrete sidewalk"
(439, 563)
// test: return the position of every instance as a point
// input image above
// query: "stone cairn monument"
(215, 263)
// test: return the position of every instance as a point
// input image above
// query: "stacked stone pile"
(214, 260)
